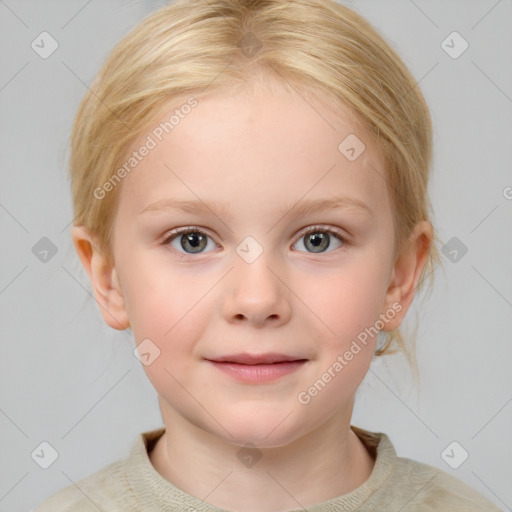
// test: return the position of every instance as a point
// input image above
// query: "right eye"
(189, 240)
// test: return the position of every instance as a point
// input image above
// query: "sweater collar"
(156, 494)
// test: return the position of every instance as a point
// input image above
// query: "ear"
(103, 276)
(406, 273)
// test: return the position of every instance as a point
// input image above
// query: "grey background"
(67, 379)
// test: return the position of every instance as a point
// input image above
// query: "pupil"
(195, 242)
(319, 242)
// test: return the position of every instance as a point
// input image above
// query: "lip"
(249, 359)
(257, 369)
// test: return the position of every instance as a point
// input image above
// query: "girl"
(250, 191)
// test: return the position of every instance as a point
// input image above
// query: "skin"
(256, 152)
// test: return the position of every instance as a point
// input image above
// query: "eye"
(189, 240)
(318, 239)
(193, 240)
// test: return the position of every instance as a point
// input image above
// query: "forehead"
(270, 147)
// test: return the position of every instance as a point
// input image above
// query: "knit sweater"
(395, 484)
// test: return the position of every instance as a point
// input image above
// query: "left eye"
(320, 239)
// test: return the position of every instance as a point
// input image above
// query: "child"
(250, 189)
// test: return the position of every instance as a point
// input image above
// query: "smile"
(259, 372)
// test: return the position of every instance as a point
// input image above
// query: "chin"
(261, 430)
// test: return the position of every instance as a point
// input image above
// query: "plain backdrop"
(69, 380)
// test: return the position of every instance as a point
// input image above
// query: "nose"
(257, 295)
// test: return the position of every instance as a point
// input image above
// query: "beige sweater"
(395, 484)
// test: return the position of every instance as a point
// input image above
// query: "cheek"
(161, 303)
(346, 315)
(347, 301)
(172, 312)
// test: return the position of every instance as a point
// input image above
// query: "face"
(263, 267)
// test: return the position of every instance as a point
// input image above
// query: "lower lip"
(259, 373)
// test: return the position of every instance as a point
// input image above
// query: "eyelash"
(313, 229)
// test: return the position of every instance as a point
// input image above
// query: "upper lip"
(256, 358)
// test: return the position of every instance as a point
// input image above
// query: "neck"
(331, 459)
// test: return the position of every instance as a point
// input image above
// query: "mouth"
(258, 368)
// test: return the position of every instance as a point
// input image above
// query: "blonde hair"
(318, 47)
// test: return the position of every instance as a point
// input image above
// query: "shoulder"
(399, 483)
(86, 495)
(424, 488)
(111, 488)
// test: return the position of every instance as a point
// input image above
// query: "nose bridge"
(257, 293)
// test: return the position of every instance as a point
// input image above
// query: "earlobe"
(103, 277)
(406, 272)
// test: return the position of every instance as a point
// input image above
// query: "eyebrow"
(304, 207)
(336, 203)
